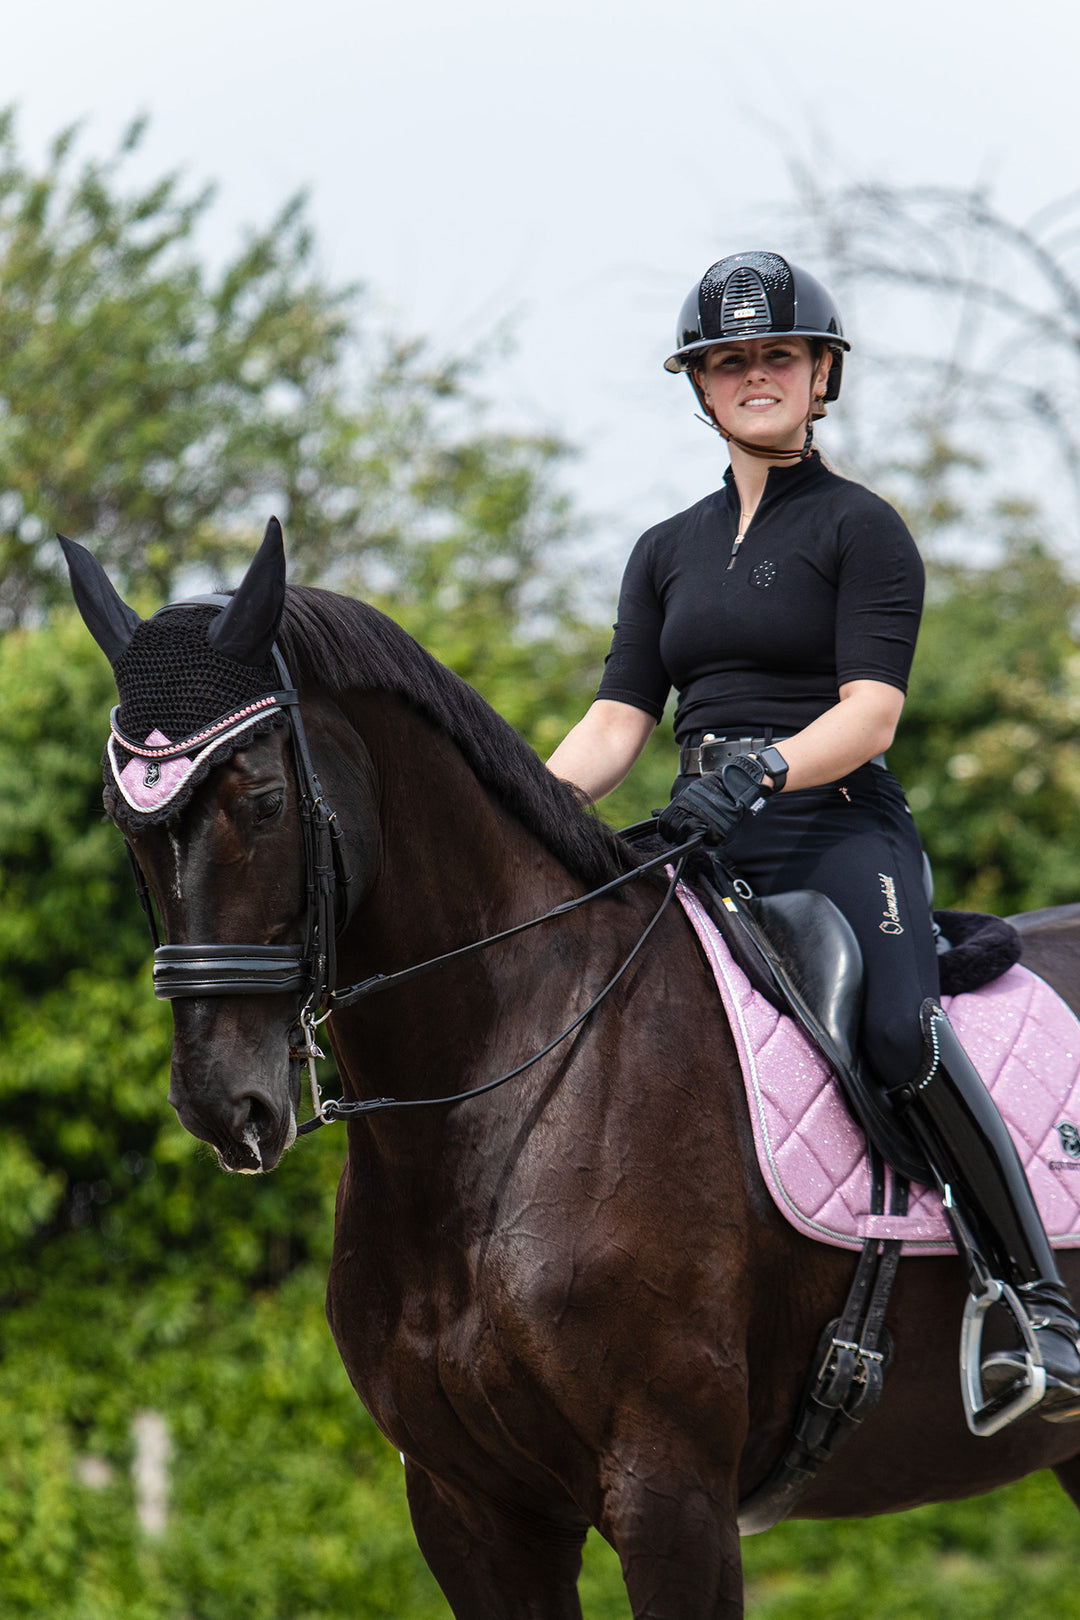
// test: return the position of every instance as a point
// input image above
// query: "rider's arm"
(846, 736)
(878, 606)
(597, 754)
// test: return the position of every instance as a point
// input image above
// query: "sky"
(564, 170)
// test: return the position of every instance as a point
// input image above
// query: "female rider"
(784, 609)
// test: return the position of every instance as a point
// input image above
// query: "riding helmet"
(756, 295)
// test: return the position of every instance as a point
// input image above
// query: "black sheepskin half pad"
(983, 948)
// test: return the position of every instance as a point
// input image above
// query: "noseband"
(186, 971)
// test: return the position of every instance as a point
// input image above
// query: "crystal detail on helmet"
(744, 300)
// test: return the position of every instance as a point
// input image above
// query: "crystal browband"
(175, 750)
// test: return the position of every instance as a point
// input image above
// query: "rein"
(336, 1108)
(183, 971)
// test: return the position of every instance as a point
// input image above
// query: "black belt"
(713, 755)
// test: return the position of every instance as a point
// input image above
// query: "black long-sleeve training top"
(826, 587)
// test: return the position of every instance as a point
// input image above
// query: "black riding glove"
(716, 802)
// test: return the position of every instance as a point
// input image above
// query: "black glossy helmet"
(754, 295)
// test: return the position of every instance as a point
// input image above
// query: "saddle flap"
(817, 944)
(799, 950)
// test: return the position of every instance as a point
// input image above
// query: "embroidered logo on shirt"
(763, 575)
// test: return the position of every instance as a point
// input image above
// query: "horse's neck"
(454, 867)
(453, 858)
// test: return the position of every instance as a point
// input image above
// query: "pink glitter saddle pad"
(1025, 1043)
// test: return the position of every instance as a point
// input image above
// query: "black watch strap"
(775, 764)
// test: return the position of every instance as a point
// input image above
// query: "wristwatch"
(776, 765)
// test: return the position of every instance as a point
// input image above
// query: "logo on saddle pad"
(1070, 1138)
(891, 923)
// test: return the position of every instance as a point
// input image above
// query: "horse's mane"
(343, 645)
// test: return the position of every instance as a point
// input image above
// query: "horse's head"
(208, 775)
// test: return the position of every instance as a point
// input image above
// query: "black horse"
(570, 1302)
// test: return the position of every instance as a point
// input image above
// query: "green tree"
(987, 745)
(160, 411)
(144, 404)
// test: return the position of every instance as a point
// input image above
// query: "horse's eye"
(267, 806)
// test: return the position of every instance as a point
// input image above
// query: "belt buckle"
(730, 748)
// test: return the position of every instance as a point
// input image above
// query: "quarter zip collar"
(780, 482)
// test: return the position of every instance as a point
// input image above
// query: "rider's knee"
(894, 1045)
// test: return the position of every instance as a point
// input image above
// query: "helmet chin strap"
(756, 449)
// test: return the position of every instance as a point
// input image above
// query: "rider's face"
(760, 389)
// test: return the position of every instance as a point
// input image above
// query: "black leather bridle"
(186, 971)
(310, 967)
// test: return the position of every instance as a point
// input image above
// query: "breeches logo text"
(891, 923)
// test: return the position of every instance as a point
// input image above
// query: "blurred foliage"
(1008, 1556)
(987, 748)
(964, 314)
(1002, 1557)
(160, 413)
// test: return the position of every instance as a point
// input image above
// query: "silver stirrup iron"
(985, 1417)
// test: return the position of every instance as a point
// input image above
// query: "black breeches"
(855, 841)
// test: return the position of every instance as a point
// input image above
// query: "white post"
(150, 1471)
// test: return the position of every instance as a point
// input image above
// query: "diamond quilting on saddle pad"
(1022, 1038)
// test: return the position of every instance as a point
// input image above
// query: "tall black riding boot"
(956, 1123)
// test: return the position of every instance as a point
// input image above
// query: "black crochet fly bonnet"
(196, 682)
(174, 686)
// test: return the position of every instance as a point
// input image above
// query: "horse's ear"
(246, 630)
(107, 616)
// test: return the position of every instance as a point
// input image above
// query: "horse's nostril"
(254, 1125)
(255, 1119)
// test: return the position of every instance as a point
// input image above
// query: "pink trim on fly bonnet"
(160, 767)
(147, 783)
(1022, 1038)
